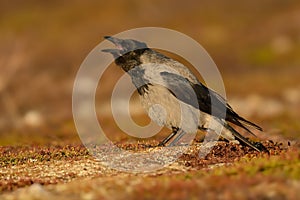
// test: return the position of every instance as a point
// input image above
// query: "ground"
(255, 46)
(229, 171)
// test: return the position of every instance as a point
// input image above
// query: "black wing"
(181, 88)
(186, 91)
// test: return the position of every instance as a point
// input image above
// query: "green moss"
(286, 165)
(21, 155)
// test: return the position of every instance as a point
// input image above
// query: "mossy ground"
(71, 172)
(255, 45)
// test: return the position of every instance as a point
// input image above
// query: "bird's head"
(127, 52)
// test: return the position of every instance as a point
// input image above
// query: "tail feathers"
(234, 118)
(251, 124)
(242, 139)
(238, 123)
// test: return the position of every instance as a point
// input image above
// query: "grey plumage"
(172, 95)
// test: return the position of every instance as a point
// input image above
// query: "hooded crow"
(173, 97)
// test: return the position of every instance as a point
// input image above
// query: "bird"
(170, 92)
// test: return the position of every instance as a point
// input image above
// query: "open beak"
(114, 40)
(117, 42)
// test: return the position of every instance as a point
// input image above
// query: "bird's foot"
(261, 147)
(161, 144)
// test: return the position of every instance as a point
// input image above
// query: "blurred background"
(256, 46)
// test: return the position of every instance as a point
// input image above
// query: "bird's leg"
(181, 134)
(167, 139)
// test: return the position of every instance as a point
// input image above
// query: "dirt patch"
(23, 166)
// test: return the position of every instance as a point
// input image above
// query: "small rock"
(33, 118)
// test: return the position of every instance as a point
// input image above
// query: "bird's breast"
(166, 110)
(160, 105)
